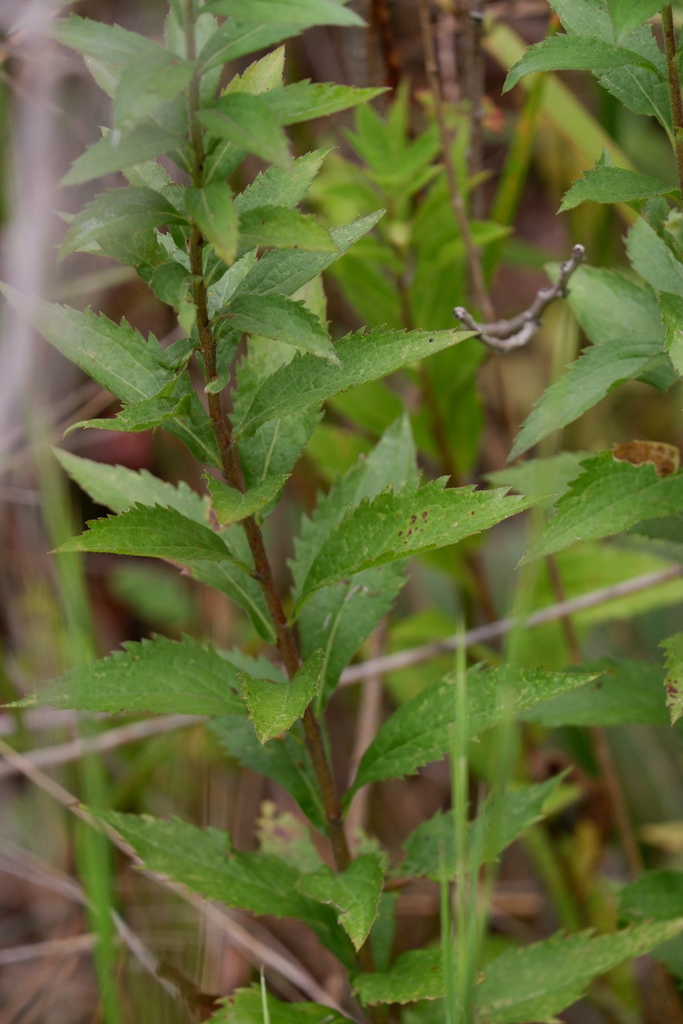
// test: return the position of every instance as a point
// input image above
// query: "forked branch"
(505, 335)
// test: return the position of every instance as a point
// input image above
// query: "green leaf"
(609, 304)
(642, 92)
(212, 209)
(614, 185)
(416, 974)
(117, 212)
(287, 762)
(419, 731)
(177, 408)
(275, 187)
(626, 692)
(536, 982)
(191, 424)
(656, 895)
(149, 82)
(118, 151)
(232, 505)
(147, 414)
(392, 463)
(620, 315)
(115, 355)
(236, 38)
(248, 122)
(154, 532)
(598, 371)
(651, 257)
(283, 228)
(302, 13)
(341, 617)
(550, 477)
(432, 851)
(671, 307)
(610, 496)
(171, 283)
(118, 488)
(282, 319)
(628, 15)
(304, 100)
(306, 382)
(579, 53)
(162, 676)
(674, 675)
(221, 291)
(354, 892)
(109, 43)
(262, 75)
(245, 1006)
(274, 707)
(392, 526)
(584, 18)
(286, 272)
(532, 983)
(204, 860)
(276, 446)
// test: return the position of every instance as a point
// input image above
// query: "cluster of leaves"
(407, 273)
(249, 263)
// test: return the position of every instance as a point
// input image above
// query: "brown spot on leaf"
(664, 457)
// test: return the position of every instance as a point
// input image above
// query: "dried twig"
(505, 335)
(62, 753)
(493, 630)
(51, 947)
(41, 718)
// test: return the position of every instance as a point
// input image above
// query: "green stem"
(232, 471)
(674, 88)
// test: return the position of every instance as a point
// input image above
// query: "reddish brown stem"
(232, 471)
(674, 88)
(381, 23)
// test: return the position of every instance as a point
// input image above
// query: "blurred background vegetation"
(514, 165)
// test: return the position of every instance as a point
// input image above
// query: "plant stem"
(481, 296)
(674, 88)
(380, 18)
(232, 471)
(475, 90)
(601, 749)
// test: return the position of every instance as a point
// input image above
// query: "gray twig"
(505, 335)
(493, 630)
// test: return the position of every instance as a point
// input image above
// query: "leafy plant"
(235, 263)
